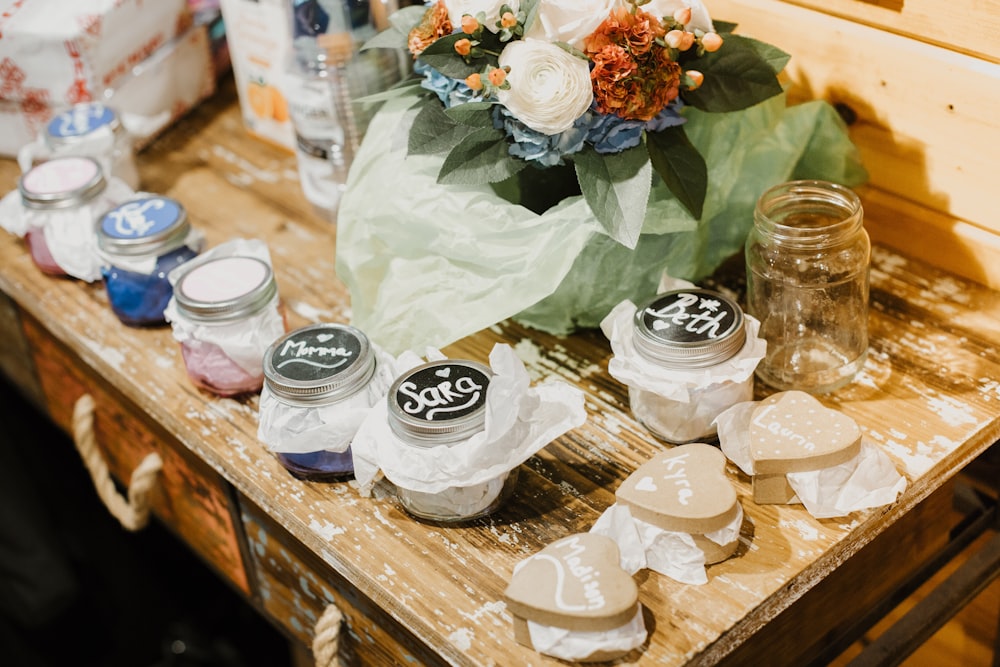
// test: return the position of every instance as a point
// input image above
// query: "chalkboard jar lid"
(440, 402)
(319, 364)
(224, 289)
(689, 328)
(62, 182)
(146, 226)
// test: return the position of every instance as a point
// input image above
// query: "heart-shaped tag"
(443, 372)
(575, 583)
(687, 490)
(792, 431)
(660, 325)
(324, 337)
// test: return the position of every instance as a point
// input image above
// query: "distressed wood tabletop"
(929, 396)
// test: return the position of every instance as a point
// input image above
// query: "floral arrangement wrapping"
(551, 157)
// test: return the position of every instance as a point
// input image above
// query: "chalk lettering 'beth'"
(704, 322)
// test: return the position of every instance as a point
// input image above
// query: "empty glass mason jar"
(443, 403)
(808, 259)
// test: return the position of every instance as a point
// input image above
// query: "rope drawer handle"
(133, 513)
(326, 637)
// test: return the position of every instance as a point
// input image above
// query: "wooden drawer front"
(15, 362)
(189, 497)
(295, 587)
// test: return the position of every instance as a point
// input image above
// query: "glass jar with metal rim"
(443, 404)
(94, 129)
(226, 313)
(62, 199)
(318, 388)
(683, 336)
(141, 242)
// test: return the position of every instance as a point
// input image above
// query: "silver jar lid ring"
(440, 402)
(319, 364)
(63, 182)
(225, 288)
(144, 226)
(689, 328)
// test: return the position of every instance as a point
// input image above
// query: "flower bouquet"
(550, 158)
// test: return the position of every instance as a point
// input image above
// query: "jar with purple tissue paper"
(686, 356)
(61, 200)
(141, 241)
(320, 381)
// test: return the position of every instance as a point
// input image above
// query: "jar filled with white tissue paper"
(686, 355)
(441, 404)
(319, 383)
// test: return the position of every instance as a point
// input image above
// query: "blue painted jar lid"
(80, 120)
(439, 402)
(689, 328)
(147, 226)
(319, 364)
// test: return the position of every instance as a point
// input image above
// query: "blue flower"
(451, 92)
(609, 133)
(542, 149)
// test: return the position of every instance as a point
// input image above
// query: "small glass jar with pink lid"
(225, 313)
(60, 202)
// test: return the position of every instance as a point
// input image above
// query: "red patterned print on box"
(11, 79)
(78, 90)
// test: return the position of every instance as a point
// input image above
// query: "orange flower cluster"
(434, 25)
(633, 76)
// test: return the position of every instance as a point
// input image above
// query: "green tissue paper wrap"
(427, 264)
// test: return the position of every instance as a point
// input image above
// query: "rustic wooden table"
(410, 591)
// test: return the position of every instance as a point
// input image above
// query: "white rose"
(700, 18)
(569, 21)
(491, 8)
(549, 87)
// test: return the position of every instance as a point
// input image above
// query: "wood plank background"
(923, 80)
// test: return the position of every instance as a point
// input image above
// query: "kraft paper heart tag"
(685, 490)
(575, 583)
(793, 432)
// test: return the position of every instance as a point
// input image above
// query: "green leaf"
(681, 167)
(481, 157)
(616, 188)
(771, 54)
(387, 39)
(405, 87)
(434, 132)
(530, 9)
(441, 56)
(723, 26)
(736, 77)
(403, 20)
(473, 114)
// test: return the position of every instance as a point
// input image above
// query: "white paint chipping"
(326, 530)
(805, 530)
(462, 638)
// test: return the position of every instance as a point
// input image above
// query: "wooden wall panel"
(945, 24)
(926, 123)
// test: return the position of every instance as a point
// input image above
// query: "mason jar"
(141, 242)
(443, 404)
(62, 200)
(686, 337)
(226, 314)
(319, 385)
(93, 129)
(807, 260)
